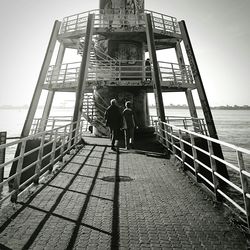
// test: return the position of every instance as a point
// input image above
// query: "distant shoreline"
(235, 107)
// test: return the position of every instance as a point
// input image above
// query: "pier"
(180, 187)
(101, 199)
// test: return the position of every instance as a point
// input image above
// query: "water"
(233, 126)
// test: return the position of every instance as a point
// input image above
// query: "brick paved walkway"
(153, 206)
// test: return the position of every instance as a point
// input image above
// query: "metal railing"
(197, 125)
(171, 72)
(184, 145)
(105, 70)
(37, 154)
(51, 123)
(114, 18)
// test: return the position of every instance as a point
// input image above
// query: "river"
(233, 126)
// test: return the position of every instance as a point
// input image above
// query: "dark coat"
(113, 117)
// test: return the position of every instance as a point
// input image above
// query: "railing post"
(65, 73)
(216, 181)
(173, 23)
(175, 79)
(172, 141)
(77, 19)
(53, 151)
(166, 135)
(245, 186)
(70, 135)
(39, 158)
(3, 136)
(37, 125)
(63, 140)
(18, 172)
(184, 123)
(182, 148)
(195, 157)
(164, 27)
(80, 130)
(51, 134)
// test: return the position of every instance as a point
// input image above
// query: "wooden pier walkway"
(117, 200)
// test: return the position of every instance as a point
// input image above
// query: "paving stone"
(159, 208)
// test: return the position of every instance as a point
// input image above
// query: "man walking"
(114, 121)
(129, 123)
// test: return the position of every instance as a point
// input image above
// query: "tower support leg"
(156, 70)
(203, 98)
(51, 93)
(83, 74)
(41, 79)
(198, 81)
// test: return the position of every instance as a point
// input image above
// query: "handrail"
(116, 19)
(197, 125)
(181, 142)
(61, 140)
(53, 122)
(123, 70)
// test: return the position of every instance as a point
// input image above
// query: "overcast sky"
(219, 31)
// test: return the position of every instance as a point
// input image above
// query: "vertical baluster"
(195, 157)
(77, 20)
(163, 22)
(18, 172)
(173, 24)
(39, 158)
(182, 147)
(63, 141)
(185, 123)
(66, 25)
(172, 141)
(214, 170)
(70, 135)
(172, 67)
(53, 151)
(80, 130)
(244, 184)
(65, 73)
(166, 138)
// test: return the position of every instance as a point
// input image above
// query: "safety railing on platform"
(66, 73)
(106, 70)
(164, 22)
(54, 122)
(171, 72)
(114, 18)
(35, 155)
(198, 154)
(197, 125)
(96, 51)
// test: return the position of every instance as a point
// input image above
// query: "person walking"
(148, 70)
(129, 125)
(113, 118)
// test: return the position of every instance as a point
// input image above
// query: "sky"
(219, 32)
